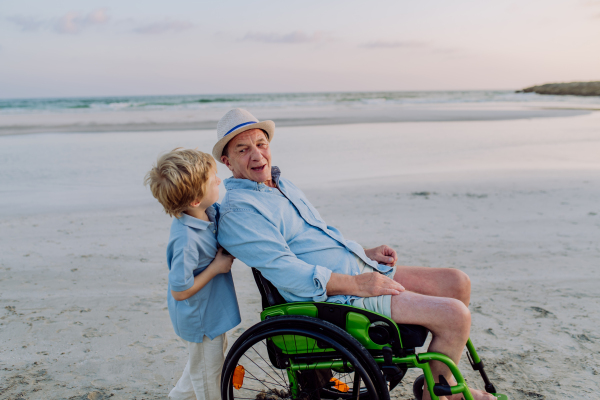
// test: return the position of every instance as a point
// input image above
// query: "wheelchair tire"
(266, 363)
(418, 387)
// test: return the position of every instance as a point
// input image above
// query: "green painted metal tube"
(411, 361)
(473, 352)
(294, 388)
(428, 379)
(318, 365)
(460, 387)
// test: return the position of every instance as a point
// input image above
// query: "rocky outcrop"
(572, 88)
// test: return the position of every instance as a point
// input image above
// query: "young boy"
(201, 296)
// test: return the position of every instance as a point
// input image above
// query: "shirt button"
(214, 231)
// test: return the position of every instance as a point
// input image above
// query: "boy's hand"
(222, 262)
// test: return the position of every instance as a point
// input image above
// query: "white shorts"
(379, 304)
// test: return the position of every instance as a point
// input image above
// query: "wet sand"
(515, 204)
(181, 120)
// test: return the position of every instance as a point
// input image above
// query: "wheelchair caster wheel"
(418, 387)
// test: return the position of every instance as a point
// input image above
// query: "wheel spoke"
(259, 380)
(266, 373)
(268, 363)
(263, 382)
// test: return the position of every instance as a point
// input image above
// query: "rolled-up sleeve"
(253, 239)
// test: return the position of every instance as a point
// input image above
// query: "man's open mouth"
(258, 169)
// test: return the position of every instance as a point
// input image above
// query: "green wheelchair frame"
(378, 350)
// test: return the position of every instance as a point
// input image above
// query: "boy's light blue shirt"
(284, 237)
(214, 309)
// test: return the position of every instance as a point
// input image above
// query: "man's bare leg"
(439, 282)
(442, 308)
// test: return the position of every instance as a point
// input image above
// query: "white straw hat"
(237, 121)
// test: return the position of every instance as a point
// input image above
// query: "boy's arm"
(220, 265)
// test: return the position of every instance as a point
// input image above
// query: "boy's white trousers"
(201, 377)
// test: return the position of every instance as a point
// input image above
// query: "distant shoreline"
(565, 89)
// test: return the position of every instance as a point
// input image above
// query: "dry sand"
(515, 204)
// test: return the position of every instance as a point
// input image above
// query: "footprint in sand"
(91, 333)
(541, 313)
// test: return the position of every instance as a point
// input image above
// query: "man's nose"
(255, 154)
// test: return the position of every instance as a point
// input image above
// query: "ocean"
(276, 100)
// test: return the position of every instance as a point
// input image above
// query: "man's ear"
(225, 160)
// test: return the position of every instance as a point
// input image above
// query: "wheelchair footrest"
(442, 388)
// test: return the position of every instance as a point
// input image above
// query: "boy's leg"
(206, 362)
(184, 390)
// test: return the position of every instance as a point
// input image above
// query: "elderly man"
(269, 224)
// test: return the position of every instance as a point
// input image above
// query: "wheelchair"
(318, 350)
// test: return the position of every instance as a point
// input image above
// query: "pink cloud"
(73, 22)
(292, 37)
(166, 25)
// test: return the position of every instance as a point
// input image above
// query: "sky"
(67, 48)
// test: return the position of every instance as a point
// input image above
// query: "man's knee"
(461, 284)
(460, 318)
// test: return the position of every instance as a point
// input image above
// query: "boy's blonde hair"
(178, 178)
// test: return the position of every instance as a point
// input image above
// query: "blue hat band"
(239, 126)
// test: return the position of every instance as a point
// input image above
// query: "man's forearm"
(363, 285)
(341, 284)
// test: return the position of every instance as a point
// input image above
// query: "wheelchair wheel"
(418, 387)
(303, 358)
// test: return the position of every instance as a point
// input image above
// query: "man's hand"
(364, 285)
(383, 255)
(375, 284)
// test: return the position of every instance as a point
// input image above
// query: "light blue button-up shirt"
(214, 309)
(282, 235)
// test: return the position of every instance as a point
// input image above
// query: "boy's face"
(212, 190)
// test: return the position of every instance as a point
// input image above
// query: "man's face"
(249, 156)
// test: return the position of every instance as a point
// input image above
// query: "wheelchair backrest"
(269, 293)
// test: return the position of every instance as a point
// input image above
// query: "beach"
(509, 193)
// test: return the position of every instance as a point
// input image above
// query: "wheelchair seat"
(411, 335)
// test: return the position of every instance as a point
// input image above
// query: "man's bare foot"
(477, 395)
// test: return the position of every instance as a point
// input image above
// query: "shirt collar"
(196, 223)
(234, 183)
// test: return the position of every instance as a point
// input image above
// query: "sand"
(514, 203)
